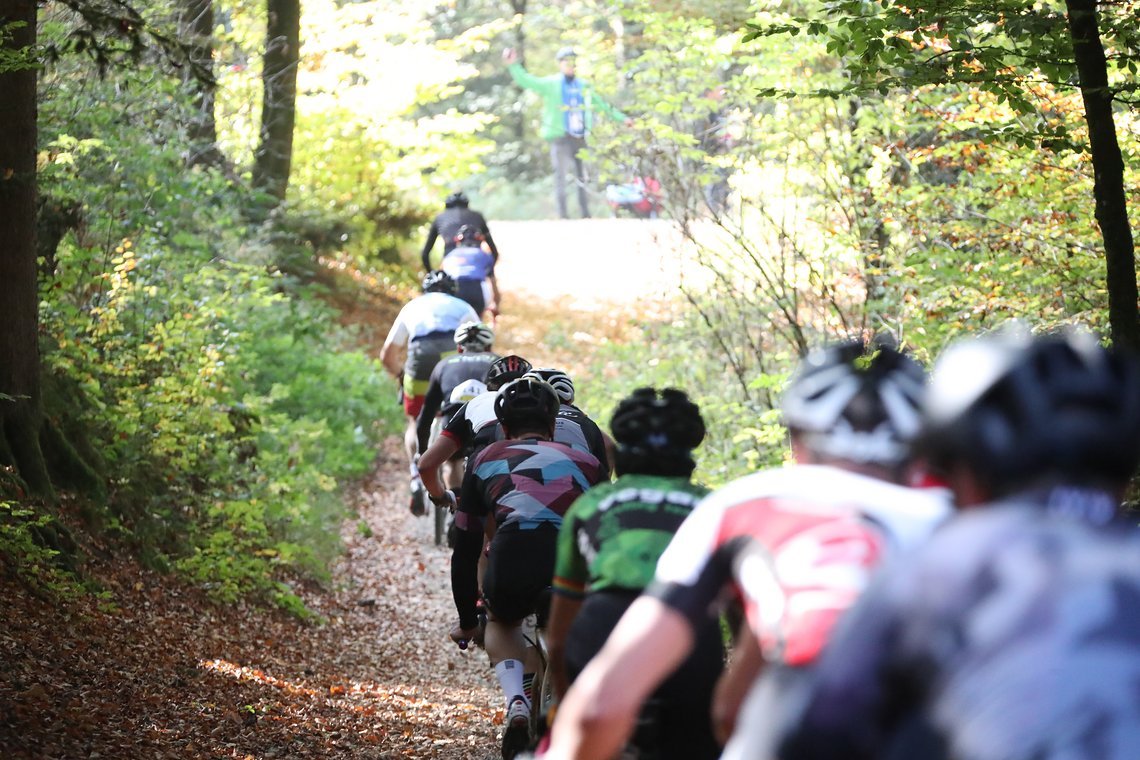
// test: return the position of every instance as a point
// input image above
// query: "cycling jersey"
(574, 428)
(614, 534)
(468, 263)
(427, 326)
(522, 483)
(1014, 633)
(474, 425)
(430, 314)
(798, 544)
(446, 376)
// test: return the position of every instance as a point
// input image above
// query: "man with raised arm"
(1014, 632)
(568, 108)
(796, 545)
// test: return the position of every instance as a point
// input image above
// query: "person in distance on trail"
(524, 484)
(608, 547)
(568, 107)
(1014, 632)
(473, 270)
(447, 224)
(573, 426)
(426, 327)
(473, 341)
(795, 544)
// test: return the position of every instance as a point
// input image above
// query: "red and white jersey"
(798, 545)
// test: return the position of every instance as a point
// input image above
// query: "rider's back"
(811, 534)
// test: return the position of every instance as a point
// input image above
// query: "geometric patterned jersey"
(523, 484)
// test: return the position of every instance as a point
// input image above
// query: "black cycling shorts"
(520, 567)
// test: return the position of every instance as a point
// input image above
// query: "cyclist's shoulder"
(828, 488)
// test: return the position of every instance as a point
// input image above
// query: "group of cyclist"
(944, 572)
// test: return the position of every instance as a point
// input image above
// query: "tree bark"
(279, 99)
(197, 27)
(21, 416)
(1108, 173)
(518, 125)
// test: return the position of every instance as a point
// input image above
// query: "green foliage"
(744, 433)
(22, 549)
(225, 403)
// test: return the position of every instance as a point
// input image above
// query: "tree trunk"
(1108, 173)
(21, 416)
(279, 98)
(197, 27)
(519, 8)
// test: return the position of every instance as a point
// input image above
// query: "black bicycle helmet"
(652, 419)
(655, 432)
(557, 379)
(458, 198)
(468, 235)
(856, 401)
(1017, 410)
(438, 281)
(506, 369)
(527, 404)
(474, 336)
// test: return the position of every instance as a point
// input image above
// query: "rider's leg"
(580, 176)
(561, 154)
(507, 649)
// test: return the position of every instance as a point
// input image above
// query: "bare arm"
(392, 357)
(425, 254)
(563, 610)
(600, 710)
(734, 683)
(493, 306)
(430, 462)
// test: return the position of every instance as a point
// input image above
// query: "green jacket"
(550, 90)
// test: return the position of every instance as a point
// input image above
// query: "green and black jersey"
(613, 534)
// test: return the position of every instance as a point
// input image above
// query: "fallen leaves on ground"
(156, 670)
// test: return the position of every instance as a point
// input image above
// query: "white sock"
(510, 673)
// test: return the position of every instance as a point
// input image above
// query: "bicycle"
(542, 688)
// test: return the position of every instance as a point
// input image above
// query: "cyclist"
(426, 326)
(473, 341)
(1014, 632)
(607, 550)
(446, 225)
(795, 544)
(473, 270)
(472, 426)
(574, 427)
(524, 484)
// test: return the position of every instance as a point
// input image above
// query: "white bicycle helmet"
(856, 402)
(474, 336)
(557, 379)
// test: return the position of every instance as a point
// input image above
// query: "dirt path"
(151, 668)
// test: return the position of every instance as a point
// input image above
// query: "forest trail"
(570, 285)
(151, 668)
